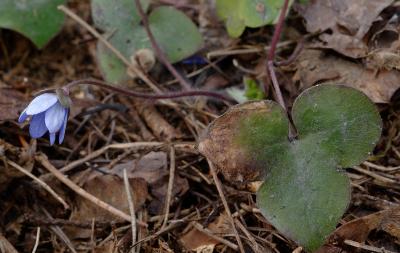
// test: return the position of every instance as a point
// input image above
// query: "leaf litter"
(361, 52)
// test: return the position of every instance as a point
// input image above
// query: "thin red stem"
(131, 93)
(275, 84)
(277, 32)
(159, 52)
(271, 54)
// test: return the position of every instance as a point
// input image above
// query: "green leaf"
(108, 15)
(175, 33)
(253, 90)
(305, 193)
(258, 13)
(239, 14)
(39, 20)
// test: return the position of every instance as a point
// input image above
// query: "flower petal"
(37, 127)
(52, 138)
(41, 103)
(62, 130)
(22, 117)
(55, 117)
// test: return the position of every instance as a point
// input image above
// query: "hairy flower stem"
(127, 92)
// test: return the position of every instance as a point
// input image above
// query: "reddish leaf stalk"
(271, 54)
(131, 93)
(274, 80)
(159, 52)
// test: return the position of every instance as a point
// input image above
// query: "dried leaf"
(110, 189)
(359, 229)
(383, 59)
(12, 153)
(12, 102)
(109, 247)
(316, 67)
(152, 167)
(386, 35)
(219, 146)
(159, 191)
(349, 22)
(199, 241)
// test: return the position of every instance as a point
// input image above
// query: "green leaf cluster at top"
(39, 20)
(305, 193)
(239, 14)
(175, 33)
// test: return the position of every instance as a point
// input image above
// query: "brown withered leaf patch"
(219, 147)
(347, 21)
(12, 102)
(359, 229)
(21, 156)
(198, 241)
(153, 168)
(314, 66)
(110, 189)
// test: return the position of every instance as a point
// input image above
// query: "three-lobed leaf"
(175, 33)
(305, 193)
(38, 20)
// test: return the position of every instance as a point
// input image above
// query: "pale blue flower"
(48, 114)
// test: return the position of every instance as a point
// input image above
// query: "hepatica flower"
(49, 113)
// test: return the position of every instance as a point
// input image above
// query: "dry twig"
(45, 162)
(37, 240)
(170, 185)
(366, 247)
(131, 209)
(225, 203)
(101, 151)
(212, 235)
(40, 182)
